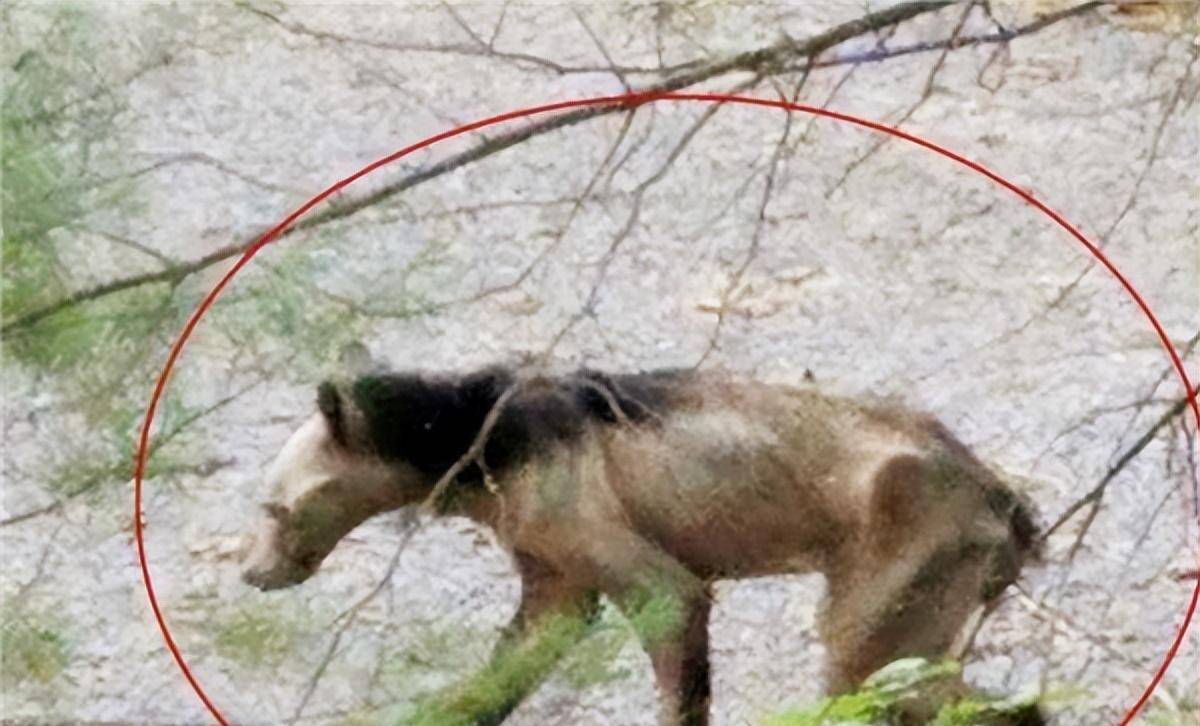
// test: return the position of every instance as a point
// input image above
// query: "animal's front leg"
(552, 618)
(544, 594)
(668, 607)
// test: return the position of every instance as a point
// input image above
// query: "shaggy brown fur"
(651, 486)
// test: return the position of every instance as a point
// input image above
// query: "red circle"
(629, 100)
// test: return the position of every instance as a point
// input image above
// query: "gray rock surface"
(877, 266)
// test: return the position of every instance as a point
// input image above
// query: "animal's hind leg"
(923, 620)
(695, 677)
(905, 587)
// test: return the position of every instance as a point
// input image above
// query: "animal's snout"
(283, 574)
(275, 512)
(263, 565)
(255, 578)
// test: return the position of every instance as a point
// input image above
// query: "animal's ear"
(897, 499)
(485, 386)
(329, 401)
(354, 360)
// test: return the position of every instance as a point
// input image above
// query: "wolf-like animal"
(651, 485)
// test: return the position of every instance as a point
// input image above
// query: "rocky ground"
(735, 237)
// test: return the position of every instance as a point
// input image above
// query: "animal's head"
(947, 536)
(998, 531)
(1022, 543)
(325, 482)
(374, 445)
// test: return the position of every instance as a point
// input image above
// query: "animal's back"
(743, 478)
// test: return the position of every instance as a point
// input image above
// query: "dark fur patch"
(1014, 509)
(431, 422)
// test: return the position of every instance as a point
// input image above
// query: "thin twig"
(431, 505)
(345, 619)
(735, 279)
(926, 93)
(123, 467)
(1097, 492)
(631, 220)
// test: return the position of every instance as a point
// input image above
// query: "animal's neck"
(473, 502)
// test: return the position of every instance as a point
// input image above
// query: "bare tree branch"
(926, 92)
(1000, 36)
(123, 467)
(767, 60)
(1097, 492)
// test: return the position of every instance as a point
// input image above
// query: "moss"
(264, 636)
(1184, 715)
(32, 648)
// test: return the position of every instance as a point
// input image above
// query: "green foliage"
(278, 314)
(658, 615)
(584, 649)
(32, 648)
(891, 694)
(592, 662)
(82, 466)
(47, 157)
(109, 333)
(506, 679)
(436, 649)
(986, 712)
(583, 653)
(34, 168)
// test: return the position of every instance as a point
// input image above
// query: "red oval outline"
(628, 100)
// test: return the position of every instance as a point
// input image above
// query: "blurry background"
(143, 145)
